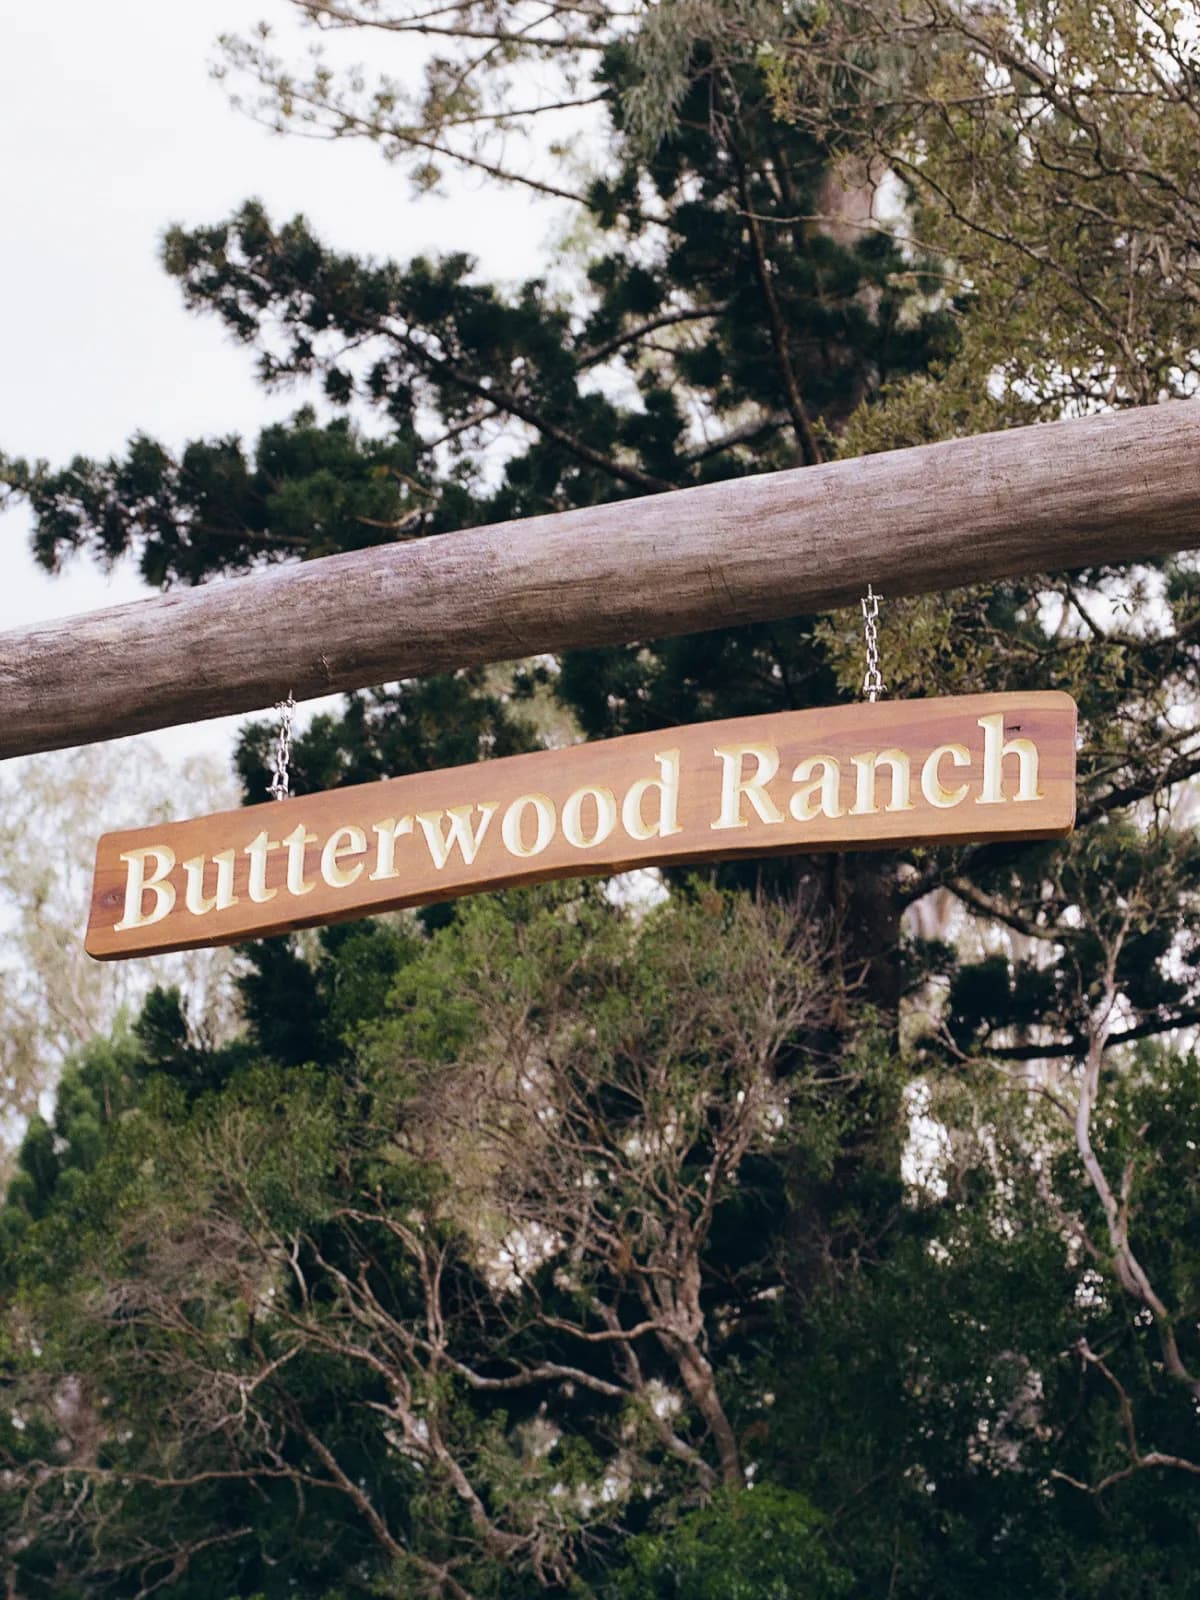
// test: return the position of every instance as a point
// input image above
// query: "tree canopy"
(830, 1227)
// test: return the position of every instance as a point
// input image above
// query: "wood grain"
(847, 777)
(750, 549)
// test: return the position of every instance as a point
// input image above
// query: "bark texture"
(1056, 496)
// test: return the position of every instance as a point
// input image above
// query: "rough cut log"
(1031, 500)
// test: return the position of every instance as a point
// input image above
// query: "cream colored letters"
(385, 855)
(510, 828)
(194, 897)
(606, 817)
(834, 778)
(931, 782)
(136, 883)
(461, 832)
(995, 748)
(804, 805)
(341, 842)
(865, 766)
(257, 850)
(668, 800)
(734, 785)
(296, 843)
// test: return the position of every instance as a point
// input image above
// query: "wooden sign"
(975, 767)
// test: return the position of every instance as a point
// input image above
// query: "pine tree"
(982, 1376)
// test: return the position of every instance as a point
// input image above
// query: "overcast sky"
(112, 128)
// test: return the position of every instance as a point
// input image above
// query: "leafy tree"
(53, 998)
(1046, 153)
(718, 330)
(357, 1321)
(760, 1544)
(937, 1306)
(441, 1280)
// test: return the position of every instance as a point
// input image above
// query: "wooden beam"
(1031, 500)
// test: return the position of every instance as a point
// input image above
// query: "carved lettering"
(735, 786)
(258, 849)
(462, 832)
(387, 833)
(350, 841)
(865, 768)
(545, 819)
(666, 787)
(931, 782)
(195, 899)
(845, 778)
(605, 805)
(817, 795)
(136, 884)
(995, 749)
(296, 843)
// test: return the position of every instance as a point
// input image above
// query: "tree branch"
(1139, 1461)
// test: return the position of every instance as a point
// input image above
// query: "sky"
(112, 128)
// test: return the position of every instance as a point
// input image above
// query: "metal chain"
(282, 760)
(873, 685)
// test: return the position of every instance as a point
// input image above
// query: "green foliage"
(53, 996)
(446, 721)
(664, 372)
(753, 1544)
(307, 490)
(325, 1239)
(1048, 151)
(905, 1385)
(830, 1229)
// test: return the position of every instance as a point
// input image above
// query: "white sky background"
(111, 128)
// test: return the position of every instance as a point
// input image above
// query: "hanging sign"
(975, 767)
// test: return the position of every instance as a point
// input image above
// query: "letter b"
(136, 884)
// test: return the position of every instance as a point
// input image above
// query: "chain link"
(282, 760)
(873, 685)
